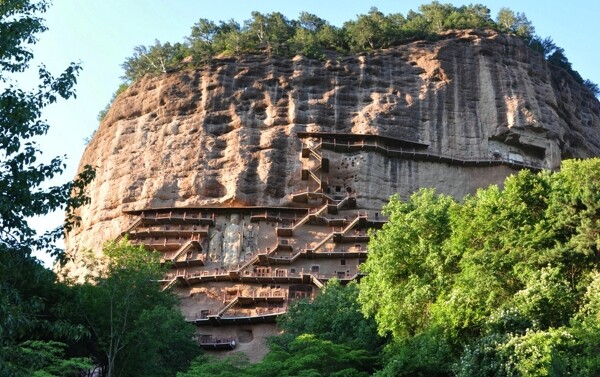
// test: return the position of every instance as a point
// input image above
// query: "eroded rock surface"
(227, 134)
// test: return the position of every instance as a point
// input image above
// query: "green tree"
(372, 30)
(436, 15)
(21, 180)
(510, 22)
(203, 365)
(271, 30)
(427, 354)
(407, 267)
(48, 359)
(333, 315)
(134, 325)
(469, 16)
(231, 40)
(416, 25)
(307, 355)
(30, 299)
(312, 34)
(201, 39)
(502, 284)
(156, 59)
(34, 315)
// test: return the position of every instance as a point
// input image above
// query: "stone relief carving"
(250, 241)
(214, 246)
(232, 241)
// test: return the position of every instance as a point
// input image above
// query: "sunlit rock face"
(230, 134)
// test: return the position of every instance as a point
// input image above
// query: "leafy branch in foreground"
(34, 328)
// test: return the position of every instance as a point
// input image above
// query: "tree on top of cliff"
(273, 33)
(313, 37)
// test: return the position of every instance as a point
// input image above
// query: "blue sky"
(102, 33)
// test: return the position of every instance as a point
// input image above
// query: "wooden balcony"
(218, 344)
(177, 217)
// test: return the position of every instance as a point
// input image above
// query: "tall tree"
(509, 21)
(371, 30)
(30, 299)
(156, 59)
(135, 326)
(407, 265)
(22, 194)
(272, 30)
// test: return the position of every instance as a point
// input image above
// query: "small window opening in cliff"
(338, 189)
(342, 262)
(245, 336)
(314, 268)
(349, 189)
(292, 270)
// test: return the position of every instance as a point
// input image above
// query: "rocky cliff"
(231, 134)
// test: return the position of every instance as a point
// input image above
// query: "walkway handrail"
(181, 250)
(412, 154)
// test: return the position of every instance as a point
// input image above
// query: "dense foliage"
(312, 36)
(504, 283)
(333, 315)
(33, 330)
(136, 328)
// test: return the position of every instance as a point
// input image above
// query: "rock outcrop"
(226, 135)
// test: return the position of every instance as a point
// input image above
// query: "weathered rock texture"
(226, 135)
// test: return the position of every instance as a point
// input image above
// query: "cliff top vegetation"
(313, 37)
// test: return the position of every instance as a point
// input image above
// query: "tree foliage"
(32, 317)
(503, 283)
(22, 178)
(135, 327)
(305, 355)
(314, 37)
(333, 315)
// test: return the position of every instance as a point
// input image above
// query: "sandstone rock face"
(227, 135)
